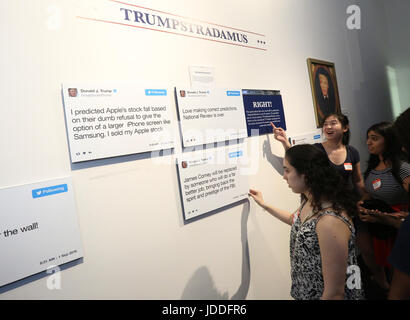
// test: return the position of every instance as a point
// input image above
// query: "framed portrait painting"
(324, 88)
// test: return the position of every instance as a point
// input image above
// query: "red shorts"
(383, 247)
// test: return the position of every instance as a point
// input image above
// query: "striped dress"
(382, 185)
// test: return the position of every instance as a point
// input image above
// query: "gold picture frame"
(325, 92)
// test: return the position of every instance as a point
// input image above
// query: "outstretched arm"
(280, 135)
(282, 215)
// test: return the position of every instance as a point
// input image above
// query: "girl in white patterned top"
(322, 246)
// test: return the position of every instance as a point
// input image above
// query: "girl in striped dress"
(387, 179)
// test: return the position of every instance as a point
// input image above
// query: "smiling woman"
(344, 158)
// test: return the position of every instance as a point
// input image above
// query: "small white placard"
(202, 77)
(307, 138)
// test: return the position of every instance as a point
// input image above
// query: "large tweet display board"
(39, 228)
(112, 120)
(210, 115)
(211, 179)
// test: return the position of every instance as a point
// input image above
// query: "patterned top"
(306, 261)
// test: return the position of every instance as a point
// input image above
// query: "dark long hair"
(323, 182)
(392, 149)
(402, 126)
(344, 120)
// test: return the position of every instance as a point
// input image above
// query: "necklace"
(324, 205)
(308, 217)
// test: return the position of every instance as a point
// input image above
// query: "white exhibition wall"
(136, 245)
